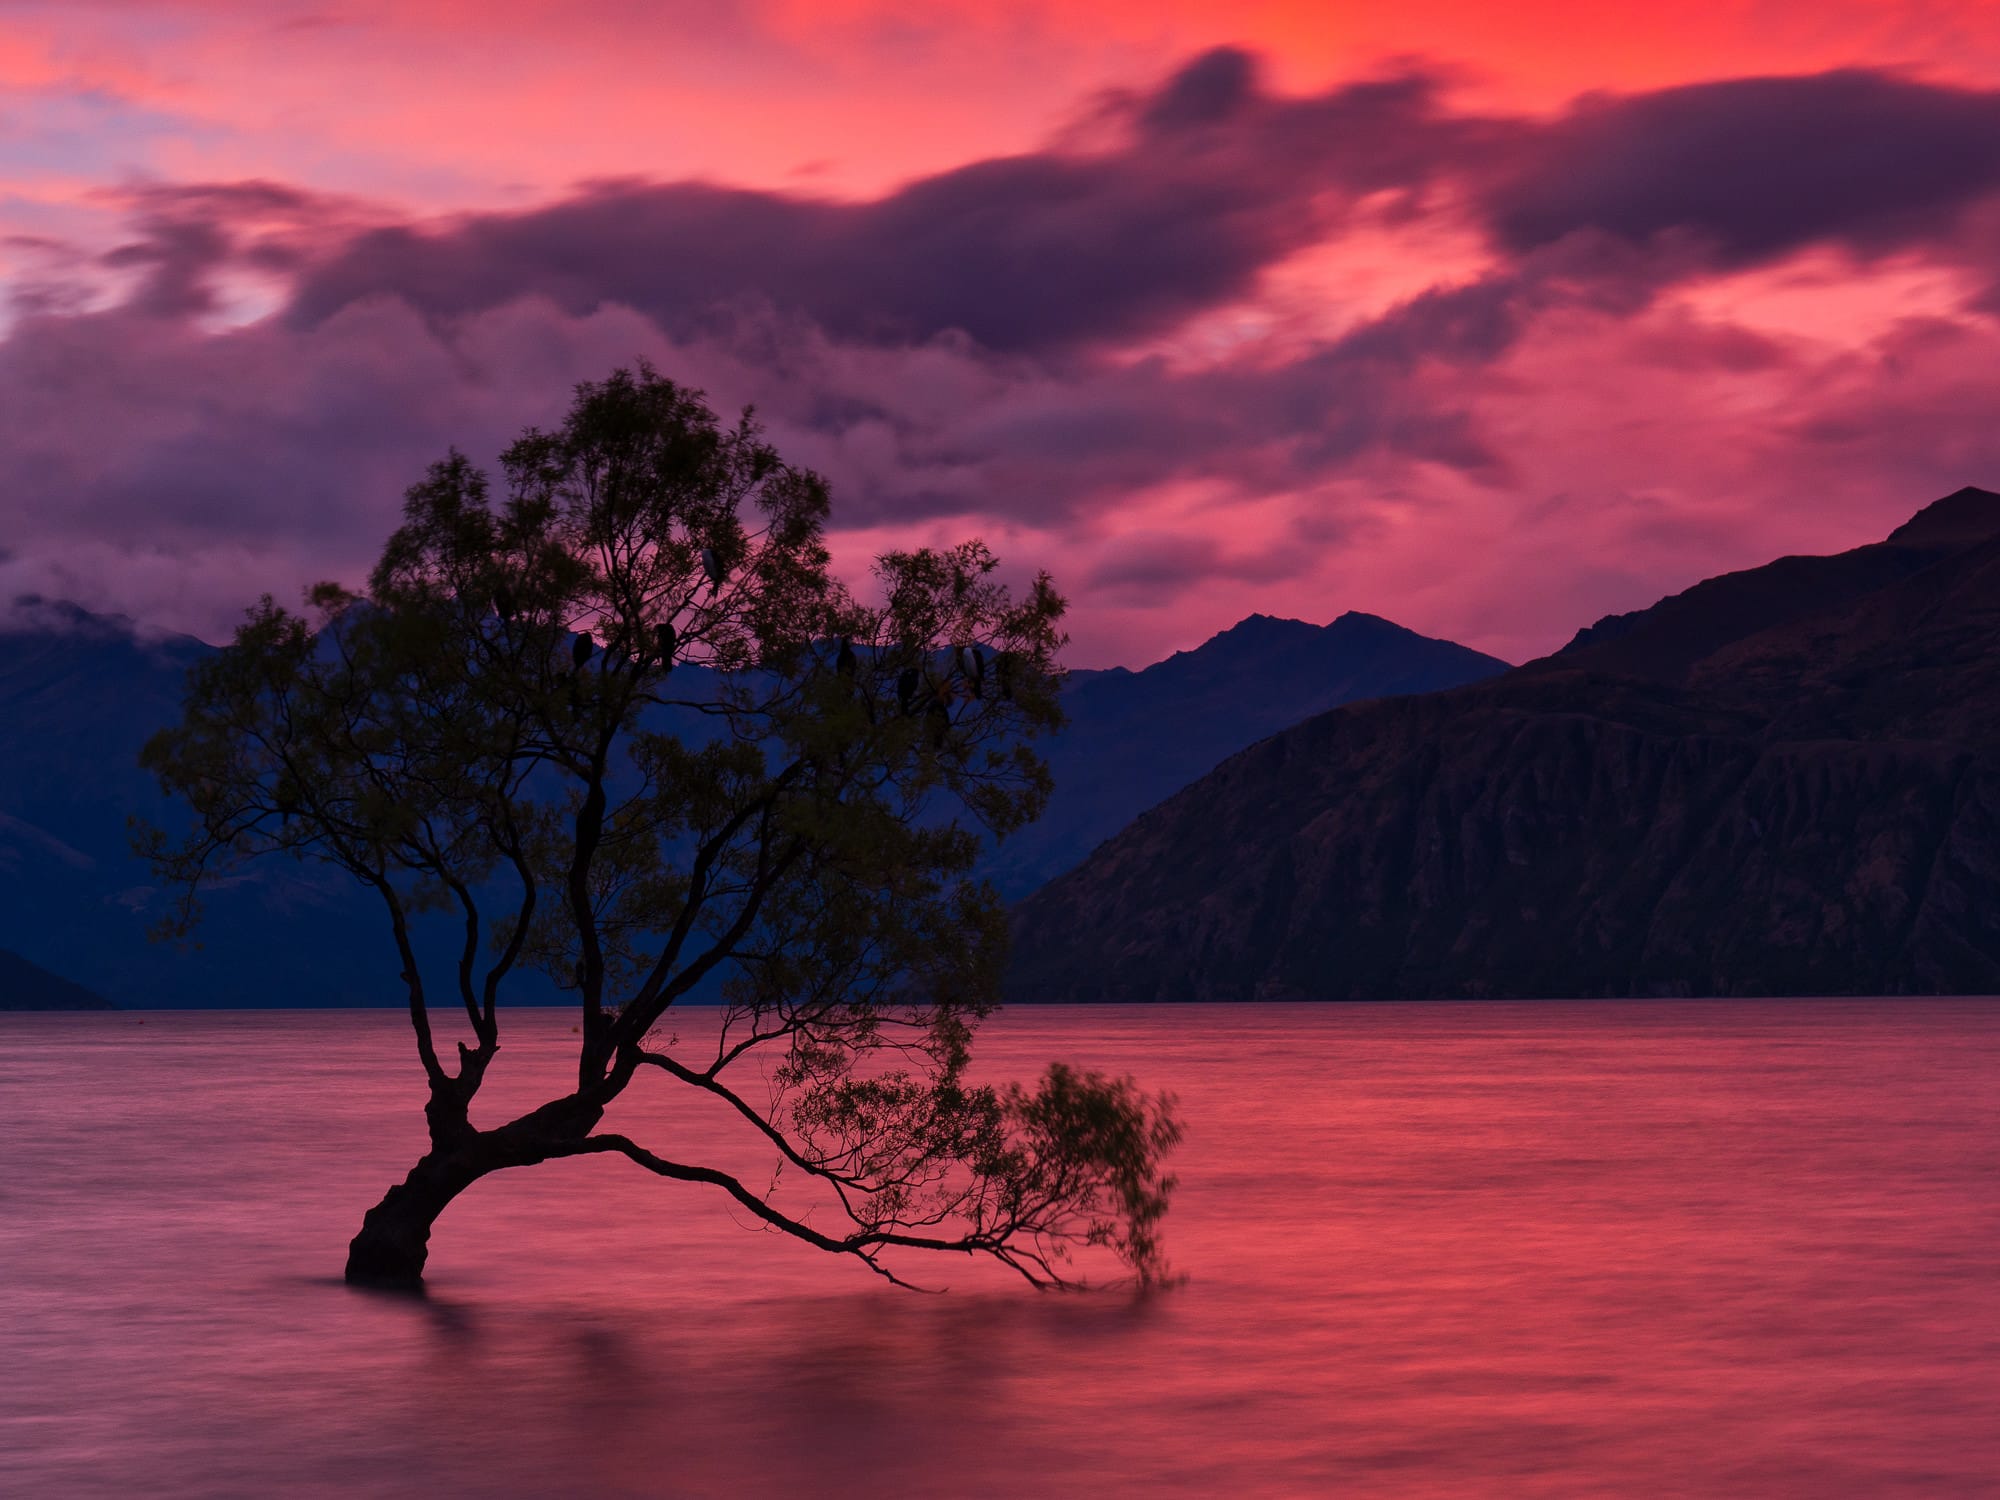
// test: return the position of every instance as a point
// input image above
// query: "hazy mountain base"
(1780, 782)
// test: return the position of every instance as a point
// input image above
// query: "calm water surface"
(1520, 1250)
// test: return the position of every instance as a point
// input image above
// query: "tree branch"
(413, 978)
(866, 1244)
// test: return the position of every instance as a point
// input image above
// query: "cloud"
(188, 237)
(1159, 567)
(1212, 181)
(1215, 86)
(1209, 181)
(1006, 348)
(1754, 168)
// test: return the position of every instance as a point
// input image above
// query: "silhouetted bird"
(712, 566)
(1004, 670)
(579, 652)
(973, 665)
(843, 660)
(906, 687)
(940, 722)
(665, 638)
(503, 603)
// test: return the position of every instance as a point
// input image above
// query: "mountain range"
(81, 692)
(1782, 781)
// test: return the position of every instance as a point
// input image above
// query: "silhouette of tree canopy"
(625, 728)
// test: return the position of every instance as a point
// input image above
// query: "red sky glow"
(1488, 318)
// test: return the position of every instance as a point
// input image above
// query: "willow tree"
(622, 728)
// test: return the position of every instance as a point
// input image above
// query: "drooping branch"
(710, 1084)
(866, 1245)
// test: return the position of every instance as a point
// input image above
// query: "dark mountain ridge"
(1781, 781)
(80, 693)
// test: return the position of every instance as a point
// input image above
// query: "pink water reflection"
(1661, 1249)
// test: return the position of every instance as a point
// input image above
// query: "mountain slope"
(1135, 738)
(79, 694)
(26, 986)
(1782, 781)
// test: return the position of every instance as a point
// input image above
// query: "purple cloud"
(984, 348)
(1213, 181)
(1757, 167)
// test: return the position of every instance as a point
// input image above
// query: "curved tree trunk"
(395, 1235)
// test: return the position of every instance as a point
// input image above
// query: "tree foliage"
(623, 727)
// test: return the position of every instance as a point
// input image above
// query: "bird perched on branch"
(712, 566)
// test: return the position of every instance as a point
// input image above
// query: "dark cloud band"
(1048, 251)
(1754, 168)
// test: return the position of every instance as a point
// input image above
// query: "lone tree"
(625, 729)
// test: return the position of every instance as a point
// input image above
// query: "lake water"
(1651, 1249)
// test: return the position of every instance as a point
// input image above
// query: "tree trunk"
(395, 1235)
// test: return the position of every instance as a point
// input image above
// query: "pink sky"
(1488, 318)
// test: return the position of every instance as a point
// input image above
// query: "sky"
(1489, 318)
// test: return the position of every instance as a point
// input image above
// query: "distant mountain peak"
(1667, 638)
(1781, 781)
(1964, 516)
(1359, 619)
(1136, 738)
(1261, 630)
(1262, 624)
